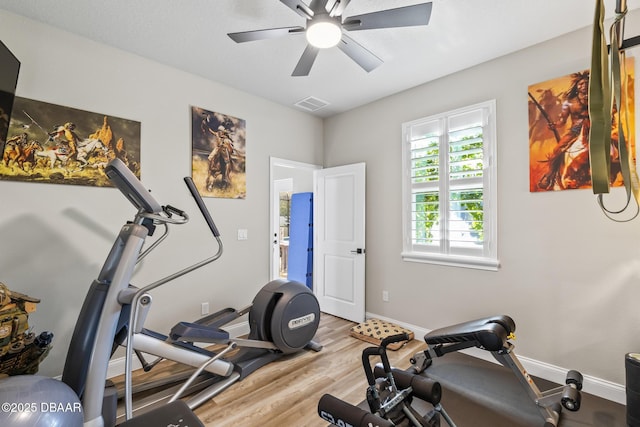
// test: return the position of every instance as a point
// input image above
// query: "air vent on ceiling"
(311, 103)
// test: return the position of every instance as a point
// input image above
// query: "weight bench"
(493, 334)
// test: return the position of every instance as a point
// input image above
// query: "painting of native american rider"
(218, 143)
(559, 133)
(50, 143)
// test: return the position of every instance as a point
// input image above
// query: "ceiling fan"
(326, 28)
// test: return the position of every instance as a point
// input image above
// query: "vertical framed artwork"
(559, 133)
(218, 143)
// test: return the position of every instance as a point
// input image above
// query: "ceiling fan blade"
(306, 61)
(337, 7)
(271, 33)
(407, 16)
(299, 7)
(363, 57)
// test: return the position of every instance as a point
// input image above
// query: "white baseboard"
(592, 385)
(116, 366)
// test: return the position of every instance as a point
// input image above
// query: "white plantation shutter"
(449, 188)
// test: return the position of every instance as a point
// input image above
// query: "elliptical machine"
(114, 311)
(283, 319)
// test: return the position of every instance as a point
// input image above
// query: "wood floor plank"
(286, 392)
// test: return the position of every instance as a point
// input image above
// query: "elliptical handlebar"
(203, 208)
(148, 208)
(131, 187)
(173, 210)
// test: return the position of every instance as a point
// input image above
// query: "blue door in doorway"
(300, 263)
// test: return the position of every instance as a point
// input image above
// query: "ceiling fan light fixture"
(323, 33)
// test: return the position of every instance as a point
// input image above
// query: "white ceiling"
(191, 35)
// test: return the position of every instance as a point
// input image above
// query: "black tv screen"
(8, 82)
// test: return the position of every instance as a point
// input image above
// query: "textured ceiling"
(191, 35)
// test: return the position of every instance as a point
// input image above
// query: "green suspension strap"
(601, 103)
(599, 107)
(620, 98)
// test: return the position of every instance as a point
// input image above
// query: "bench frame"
(493, 334)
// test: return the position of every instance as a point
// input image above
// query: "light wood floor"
(286, 392)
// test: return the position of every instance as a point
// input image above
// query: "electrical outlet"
(204, 308)
(385, 296)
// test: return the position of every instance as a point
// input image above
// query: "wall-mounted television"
(8, 82)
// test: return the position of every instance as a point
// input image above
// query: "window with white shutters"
(449, 188)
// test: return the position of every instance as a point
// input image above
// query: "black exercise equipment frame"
(493, 334)
(389, 396)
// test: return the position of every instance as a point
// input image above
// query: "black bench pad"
(490, 333)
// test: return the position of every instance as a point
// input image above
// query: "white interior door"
(339, 247)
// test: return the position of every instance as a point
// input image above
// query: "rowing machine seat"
(490, 333)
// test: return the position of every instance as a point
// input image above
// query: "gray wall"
(569, 277)
(53, 238)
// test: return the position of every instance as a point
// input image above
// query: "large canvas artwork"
(9, 71)
(218, 142)
(55, 144)
(559, 133)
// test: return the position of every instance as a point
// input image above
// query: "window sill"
(489, 264)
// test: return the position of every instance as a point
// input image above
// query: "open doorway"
(286, 177)
(283, 191)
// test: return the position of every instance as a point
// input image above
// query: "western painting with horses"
(54, 144)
